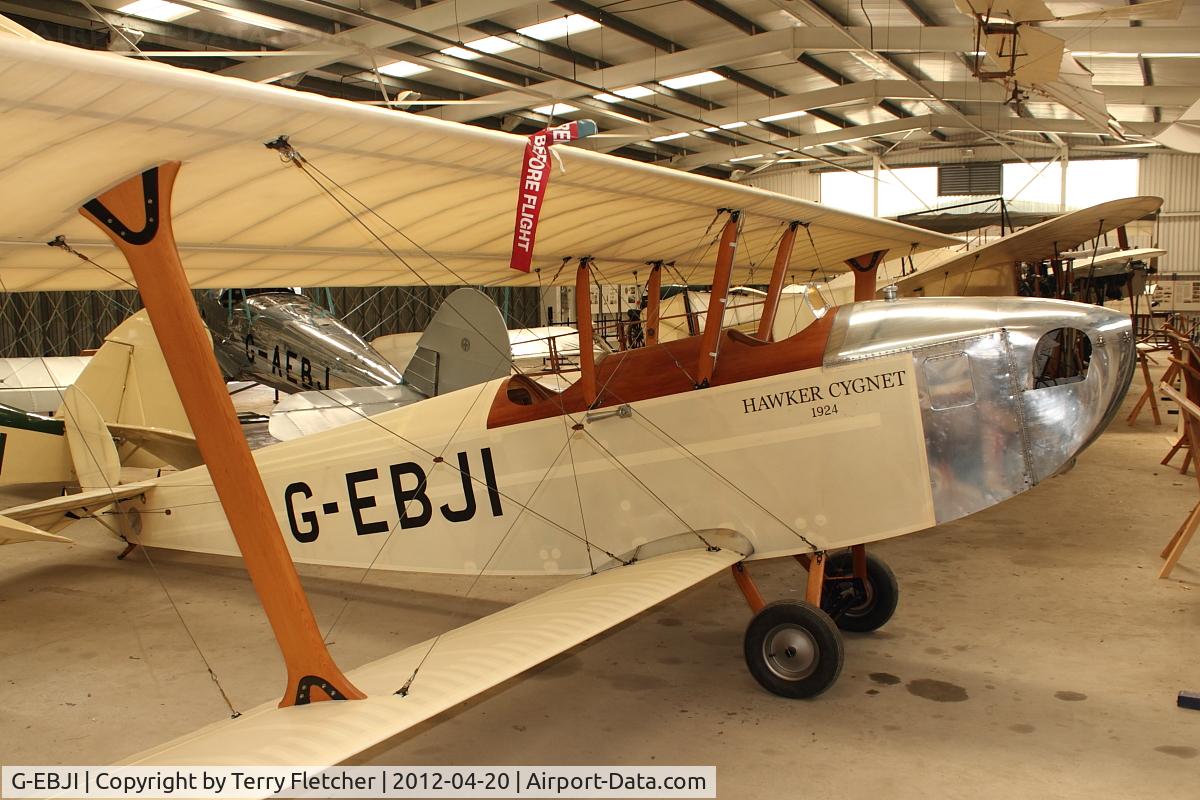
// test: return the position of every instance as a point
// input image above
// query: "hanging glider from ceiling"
(1183, 134)
(1028, 60)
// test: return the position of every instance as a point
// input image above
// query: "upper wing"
(452, 668)
(78, 121)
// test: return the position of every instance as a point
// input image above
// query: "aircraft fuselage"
(905, 415)
(288, 342)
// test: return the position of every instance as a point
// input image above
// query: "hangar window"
(1062, 356)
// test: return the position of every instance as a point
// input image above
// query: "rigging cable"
(153, 567)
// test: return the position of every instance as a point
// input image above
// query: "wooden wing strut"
(653, 302)
(136, 215)
(865, 268)
(783, 258)
(583, 313)
(715, 317)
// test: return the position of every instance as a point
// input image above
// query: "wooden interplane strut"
(653, 302)
(715, 317)
(583, 313)
(865, 268)
(136, 215)
(783, 259)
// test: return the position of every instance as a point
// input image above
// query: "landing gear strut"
(793, 648)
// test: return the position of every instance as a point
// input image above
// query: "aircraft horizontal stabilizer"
(48, 513)
(177, 448)
(12, 532)
(457, 666)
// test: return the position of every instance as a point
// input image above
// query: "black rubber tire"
(882, 588)
(800, 623)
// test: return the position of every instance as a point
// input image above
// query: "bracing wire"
(66, 409)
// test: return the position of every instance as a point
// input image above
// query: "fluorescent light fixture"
(558, 28)
(159, 10)
(728, 126)
(489, 44)
(402, 69)
(695, 79)
(554, 109)
(629, 93)
(251, 18)
(670, 136)
(634, 92)
(458, 52)
(494, 44)
(783, 116)
(744, 158)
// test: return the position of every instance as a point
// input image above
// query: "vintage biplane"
(1046, 252)
(657, 468)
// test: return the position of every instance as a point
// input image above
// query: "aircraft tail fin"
(93, 454)
(128, 380)
(125, 390)
(465, 344)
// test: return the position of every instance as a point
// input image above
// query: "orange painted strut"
(783, 258)
(583, 313)
(865, 268)
(716, 300)
(754, 598)
(136, 215)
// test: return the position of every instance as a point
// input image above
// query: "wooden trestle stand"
(136, 215)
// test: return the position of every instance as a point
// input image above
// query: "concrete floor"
(1034, 654)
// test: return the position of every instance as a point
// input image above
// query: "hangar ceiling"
(713, 86)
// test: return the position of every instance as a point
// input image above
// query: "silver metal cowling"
(989, 433)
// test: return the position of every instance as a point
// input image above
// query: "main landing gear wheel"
(856, 605)
(793, 649)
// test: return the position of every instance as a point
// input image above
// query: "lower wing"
(450, 669)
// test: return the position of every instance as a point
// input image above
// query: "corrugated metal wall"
(792, 182)
(1176, 179)
(66, 323)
